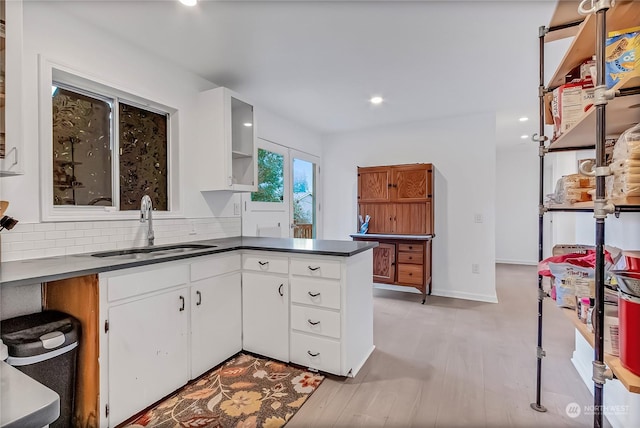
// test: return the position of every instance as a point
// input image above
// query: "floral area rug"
(245, 392)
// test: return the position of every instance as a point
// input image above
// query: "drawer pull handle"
(312, 354)
(199, 302)
(261, 263)
(280, 290)
(410, 273)
(410, 247)
(313, 322)
(313, 294)
(410, 258)
(181, 303)
(313, 269)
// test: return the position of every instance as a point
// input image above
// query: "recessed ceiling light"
(523, 119)
(248, 124)
(376, 100)
(189, 2)
(524, 137)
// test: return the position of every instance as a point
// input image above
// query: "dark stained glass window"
(143, 157)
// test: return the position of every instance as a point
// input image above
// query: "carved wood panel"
(373, 184)
(384, 258)
(412, 182)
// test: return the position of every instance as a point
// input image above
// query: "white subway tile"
(11, 236)
(44, 227)
(84, 225)
(23, 227)
(100, 239)
(101, 224)
(92, 248)
(65, 242)
(74, 234)
(49, 252)
(44, 244)
(56, 234)
(33, 254)
(21, 246)
(65, 226)
(92, 232)
(126, 244)
(108, 232)
(116, 238)
(87, 240)
(75, 249)
(9, 256)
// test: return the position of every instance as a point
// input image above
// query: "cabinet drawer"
(265, 263)
(213, 266)
(315, 352)
(312, 320)
(316, 268)
(316, 292)
(411, 247)
(129, 285)
(410, 274)
(411, 258)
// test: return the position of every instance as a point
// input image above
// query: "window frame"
(51, 73)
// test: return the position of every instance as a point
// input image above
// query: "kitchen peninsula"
(303, 301)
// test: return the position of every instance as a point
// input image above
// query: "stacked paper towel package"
(625, 167)
(621, 186)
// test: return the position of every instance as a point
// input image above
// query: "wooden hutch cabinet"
(399, 200)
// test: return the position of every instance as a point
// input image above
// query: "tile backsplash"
(30, 241)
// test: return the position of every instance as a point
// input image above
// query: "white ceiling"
(318, 63)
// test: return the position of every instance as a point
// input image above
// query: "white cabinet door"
(265, 315)
(148, 354)
(216, 321)
(226, 134)
(11, 155)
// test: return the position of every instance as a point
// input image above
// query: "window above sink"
(103, 148)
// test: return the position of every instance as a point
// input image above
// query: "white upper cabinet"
(226, 141)
(11, 155)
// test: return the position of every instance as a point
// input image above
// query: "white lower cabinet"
(265, 315)
(216, 321)
(167, 323)
(148, 353)
(331, 312)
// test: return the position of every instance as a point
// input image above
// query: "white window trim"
(50, 71)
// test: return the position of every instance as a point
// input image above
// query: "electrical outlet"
(192, 228)
(236, 208)
(477, 218)
(475, 268)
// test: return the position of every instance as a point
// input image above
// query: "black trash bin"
(44, 346)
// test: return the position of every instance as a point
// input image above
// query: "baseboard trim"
(464, 295)
(516, 262)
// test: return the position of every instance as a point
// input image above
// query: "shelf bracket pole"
(540, 139)
(599, 7)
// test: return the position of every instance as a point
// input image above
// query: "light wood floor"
(457, 363)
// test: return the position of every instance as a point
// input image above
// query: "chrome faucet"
(146, 213)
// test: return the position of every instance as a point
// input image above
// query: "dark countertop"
(391, 236)
(33, 271)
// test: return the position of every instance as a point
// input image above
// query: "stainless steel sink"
(151, 252)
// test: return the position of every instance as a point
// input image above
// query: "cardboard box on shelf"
(622, 54)
(569, 103)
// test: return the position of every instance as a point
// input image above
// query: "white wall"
(463, 152)
(93, 52)
(517, 204)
